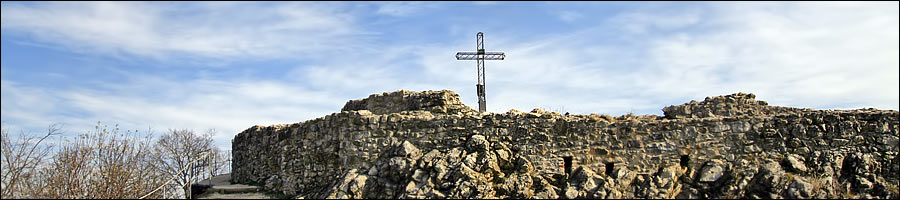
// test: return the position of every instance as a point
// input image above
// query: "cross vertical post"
(482, 99)
(480, 56)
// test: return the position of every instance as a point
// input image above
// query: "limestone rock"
(794, 164)
(799, 189)
(478, 143)
(768, 182)
(350, 186)
(273, 183)
(712, 172)
(585, 183)
(409, 151)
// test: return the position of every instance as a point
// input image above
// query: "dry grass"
(844, 192)
(893, 189)
(818, 184)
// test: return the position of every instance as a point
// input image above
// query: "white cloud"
(808, 54)
(569, 16)
(184, 30)
(819, 55)
(651, 20)
(23, 105)
(229, 107)
(785, 53)
(485, 3)
(400, 9)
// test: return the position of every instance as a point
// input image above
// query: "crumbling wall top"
(737, 104)
(439, 102)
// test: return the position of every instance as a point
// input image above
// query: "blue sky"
(231, 65)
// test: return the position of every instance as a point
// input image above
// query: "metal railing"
(202, 155)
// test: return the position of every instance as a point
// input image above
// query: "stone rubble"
(428, 144)
(473, 172)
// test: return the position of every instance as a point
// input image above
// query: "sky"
(232, 65)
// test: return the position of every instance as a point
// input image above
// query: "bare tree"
(107, 163)
(222, 163)
(21, 161)
(102, 164)
(179, 154)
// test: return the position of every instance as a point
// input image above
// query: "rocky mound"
(438, 102)
(408, 144)
(485, 170)
(480, 170)
(738, 104)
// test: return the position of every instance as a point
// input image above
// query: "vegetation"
(107, 163)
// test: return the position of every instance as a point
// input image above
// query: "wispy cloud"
(485, 3)
(786, 56)
(162, 30)
(400, 9)
(229, 107)
(569, 16)
(820, 55)
(648, 21)
(25, 107)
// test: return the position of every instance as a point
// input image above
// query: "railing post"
(211, 162)
(190, 179)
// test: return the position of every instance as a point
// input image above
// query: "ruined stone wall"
(308, 157)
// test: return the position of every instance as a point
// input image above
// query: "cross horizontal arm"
(474, 55)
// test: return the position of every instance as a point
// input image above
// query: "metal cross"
(480, 56)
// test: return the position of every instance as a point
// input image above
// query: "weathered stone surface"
(429, 145)
(712, 172)
(768, 182)
(799, 189)
(350, 186)
(584, 183)
(478, 143)
(794, 164)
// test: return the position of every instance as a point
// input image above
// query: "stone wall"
(733, 135)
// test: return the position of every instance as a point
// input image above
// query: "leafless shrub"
(107, 163)
(103, 164)
(180, 154)
(221, 162)
(21, 161)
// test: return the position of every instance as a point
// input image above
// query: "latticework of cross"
(480, 56)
